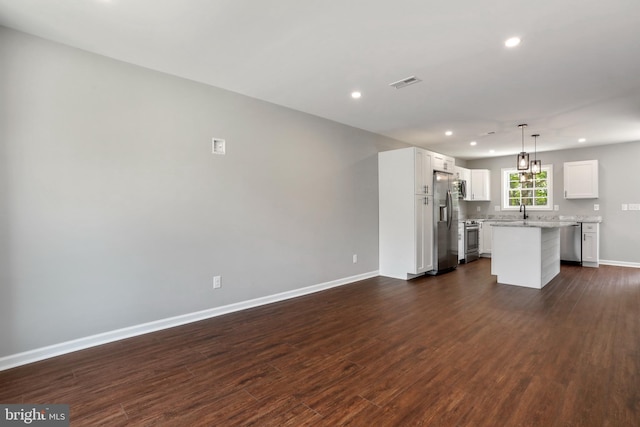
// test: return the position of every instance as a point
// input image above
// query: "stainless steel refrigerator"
(445, 223)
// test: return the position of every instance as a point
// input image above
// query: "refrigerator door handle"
(449, 211)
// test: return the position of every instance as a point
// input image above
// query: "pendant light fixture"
(536, 165)
(523, 158)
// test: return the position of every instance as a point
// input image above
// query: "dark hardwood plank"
(456, 349)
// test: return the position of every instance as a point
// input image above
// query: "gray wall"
(114, 212)
(618, 184)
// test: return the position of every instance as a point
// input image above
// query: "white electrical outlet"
(556, 207)
(596, 207)
(216, 282)
(625, 207)
(355, 258)
(218, 146)
(478, 208)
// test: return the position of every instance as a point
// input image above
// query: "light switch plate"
(625, 207)
(634, 207)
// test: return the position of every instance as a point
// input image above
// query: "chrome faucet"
(524, 216)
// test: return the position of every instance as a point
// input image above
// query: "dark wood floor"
(452, 350)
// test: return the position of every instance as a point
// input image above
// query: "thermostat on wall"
(218, 146)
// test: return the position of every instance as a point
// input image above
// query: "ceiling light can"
(512, 42)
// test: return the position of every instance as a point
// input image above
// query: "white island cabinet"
(526, 253)
(405, 191)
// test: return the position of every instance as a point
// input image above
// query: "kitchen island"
(526, 253)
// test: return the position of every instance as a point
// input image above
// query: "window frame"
(505, 190)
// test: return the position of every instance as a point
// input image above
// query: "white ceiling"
(575, 75)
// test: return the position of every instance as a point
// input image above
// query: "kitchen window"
(536, 192)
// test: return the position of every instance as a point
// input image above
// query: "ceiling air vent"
(405, 82)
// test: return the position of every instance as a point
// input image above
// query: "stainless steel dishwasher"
(571, 244)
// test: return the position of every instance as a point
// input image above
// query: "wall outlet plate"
(218, 146)
(596, 207)
(556, 207)
(478, 208)
(216, 282)
(634, 207)
(625, 207)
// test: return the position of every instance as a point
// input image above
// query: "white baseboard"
(42, 353)
(620, 263)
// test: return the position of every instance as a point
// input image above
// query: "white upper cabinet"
(443, 163)
(581, 180)
(424, 172)
(480, 185)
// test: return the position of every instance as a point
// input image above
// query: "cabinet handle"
(426, 189)
(426, 200)
(584, 237)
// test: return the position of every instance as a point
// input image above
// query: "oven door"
(472, 242)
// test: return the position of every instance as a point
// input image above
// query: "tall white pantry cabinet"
(405, 212)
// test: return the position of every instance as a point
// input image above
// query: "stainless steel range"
(471, 240)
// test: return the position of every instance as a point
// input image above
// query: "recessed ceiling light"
(473, 143)
(448, 133)
(512, 42)
(492, 151)
(356, 95)
(582, 140)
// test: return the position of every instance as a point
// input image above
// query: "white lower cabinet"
(590, 244)
(485, 238)
(424, 234)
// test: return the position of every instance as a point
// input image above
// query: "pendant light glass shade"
(523, 158)
(523, 161)
(525, 176)
(536, 165)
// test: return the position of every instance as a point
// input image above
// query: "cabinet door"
(485, 237)
(423, 172)
(581, 180)
(589, 247)
(424, 234)
(449, 164)
(480, 184)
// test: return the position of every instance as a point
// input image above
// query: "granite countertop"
(538, 224)
(541, 218)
